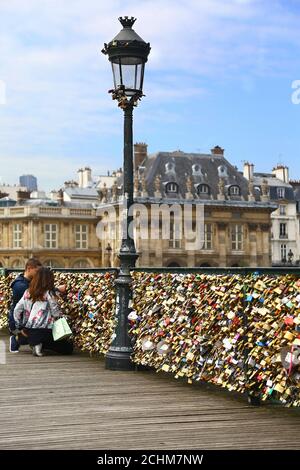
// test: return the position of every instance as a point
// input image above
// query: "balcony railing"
(81, 211)
(17, 210)
(50, 210)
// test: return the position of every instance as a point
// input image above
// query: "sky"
(220, 72)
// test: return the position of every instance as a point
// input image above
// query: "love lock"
(290, 356)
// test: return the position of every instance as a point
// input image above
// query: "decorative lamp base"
(117, 360)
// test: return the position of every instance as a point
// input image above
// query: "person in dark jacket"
(36, 312)
(19, 286)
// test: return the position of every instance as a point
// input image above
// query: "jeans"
(44, 336)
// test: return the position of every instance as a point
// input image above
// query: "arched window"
(81, 264)
(234, 190)
(18, 264)
(173, 264)
(222, 171)
(197, 170)
(170, 167)
(172, 188)
(203, 189)
(52, 263)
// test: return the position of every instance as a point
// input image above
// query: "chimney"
(80, 177)
(53, 195)
(217, 150)
(22, 196)
(140, 153)
(248, 171)
(281, 172)
(60, 197)
(86, 177)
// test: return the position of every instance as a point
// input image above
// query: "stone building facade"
(285, 233)
(61, 236)
(237, 217)
(296, 187)
(62, 231)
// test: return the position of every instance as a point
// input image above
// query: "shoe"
(13, 345)
(37, 350)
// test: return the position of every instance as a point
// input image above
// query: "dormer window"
(197, 170)
(172, 188)
(281, 193)
(170, 167)
(234, 190)
(222, 171)
(203, 189)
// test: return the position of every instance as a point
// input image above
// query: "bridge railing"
(234, 327)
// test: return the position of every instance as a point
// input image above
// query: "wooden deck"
(57, 402)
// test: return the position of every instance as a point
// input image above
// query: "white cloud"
(47, 168)
(57, 79)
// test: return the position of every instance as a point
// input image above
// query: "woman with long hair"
(37, 310)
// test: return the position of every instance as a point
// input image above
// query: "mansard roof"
(201, 168)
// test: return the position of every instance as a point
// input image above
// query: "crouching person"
(36, 312)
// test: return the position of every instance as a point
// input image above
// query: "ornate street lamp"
(128, 54)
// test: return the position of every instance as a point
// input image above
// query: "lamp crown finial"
(127, 22)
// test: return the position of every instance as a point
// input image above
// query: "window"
(282, 209)
(174, 241)
(197, 170)
(50, 236)
(222, 171)
(17, 264)
(282, 231)
(170, 167)
(207, 237)
(283, 251)
(234, 190)
(81, 236)
(172, 188)
(51, 263)
(81, 264)
(281, 193)
(173, 264)
(203, 189)
(237, 242)
(17, 235)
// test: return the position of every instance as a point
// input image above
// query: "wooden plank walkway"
(58, 402)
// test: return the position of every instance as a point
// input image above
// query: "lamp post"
(128, 54)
